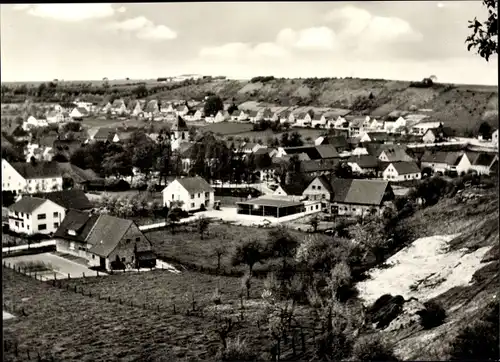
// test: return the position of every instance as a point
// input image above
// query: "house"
(103, 135)
(68, 199)
(221, 116)
(250, 147)
(319, 167)
(105, 108)
(105, 241)
(292, 191)
(442, 161)
(377, 137)
(152, 109)
(193, 115)
(435, 135)
(318, 121)
(77, 178)
(270, 151)
(189, 193)
(494, 138)
(339, 142)
(20, 177)
(482, 163)
(318, 189)
(356, 125)
(421, 128)
(339, 122)
(391, 153)
(19, 134)
(391, 125)
(303, 119)
(134, 108)
(254, 116)
(34, 215)
(360, 197)
(32, 122)
(55, 117)
(374, 125)
(363, 164)
(267, 114)
(401, 171)
(284, 116)
(166, 107)
(118, 107)
(78, 113)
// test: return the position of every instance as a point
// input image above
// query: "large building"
(189, 194)
(34, 215)
(24, 177)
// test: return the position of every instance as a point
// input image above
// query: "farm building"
(401, 171)
(270, 207)
(105, 241)
(189, 194)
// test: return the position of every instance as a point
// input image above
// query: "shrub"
(478, 341)
(236, 350)
(432, 316)
(372, 349)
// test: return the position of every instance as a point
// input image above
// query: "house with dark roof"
(118, 107)
(442, 161)
(31, 177)
(353, 197)
(318, 167)
(105, 241)
(318, 189)
(481, 162)
(438, 134)
(293, 189)
(363, 164)
(69, 199)
(189, 194)
(390, 153)
(77, 178)
(78, 113)
(377, 137)
(103, 134)
(313, 152)
(35, 215)
(401, 171)
(339, 142)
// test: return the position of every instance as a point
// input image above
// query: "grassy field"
(228, 128)
(186, 244)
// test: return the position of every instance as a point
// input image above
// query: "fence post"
(55, 276)
(83, 274)
(69, 276)
(174, 308)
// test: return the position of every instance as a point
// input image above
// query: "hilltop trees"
(213, 105)
(484, 37)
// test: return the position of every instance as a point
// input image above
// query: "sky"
(387, 39)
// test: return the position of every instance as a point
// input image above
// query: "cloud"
(316, 38)
(440, 5)
(144, 29)
(243, 51)
(69, 12)
(366, 31)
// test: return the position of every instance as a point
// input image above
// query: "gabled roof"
(335, 141)
(81, 222)
(406, 168)
(264, 150)
(340, 188)
(378, 136)
(106, 234)
(37, 170)
(69, 199)
(317, 116)
(151, 106)
(117, 103)
(295, 188)
(449, 158)
(325, 182)
(195, 184)
(327, 151)
(364, 161)
(357, 122)
(236, 113)
(366, 192)
(253, 113)
(481, 159)
(27, 204)
(104, 134)
(318, 165)
(76, 173)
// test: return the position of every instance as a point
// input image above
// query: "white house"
(55, 117)
(189, 193)
(445, 161)
(303, 119)
(34, 215)
(374, 125)
(221, 116)
(78, 113)
(392, 126)
(21, 177)
(32, 122)
(482, 162)
(319, 120)
(182, 110)
(494, 138)
(421, 128)
(401, 171)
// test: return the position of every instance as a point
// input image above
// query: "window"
(319, 187)
(17, 214)
(42, 227)
(317, 207)
(207, 194)
(17, 224)
(22, 225)
(72, 245)
(313, 187)
(192, 196)
(54, 180)
(123, 260)
(56, 214)
(128, 241)
(199, 195)
(42, 216)
(353, 209)
(27, 227)
(56, 225)
(323, 196)
(137, 239)
(192, 204)
(93, 256)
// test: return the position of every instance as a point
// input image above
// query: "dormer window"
(72, 232)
